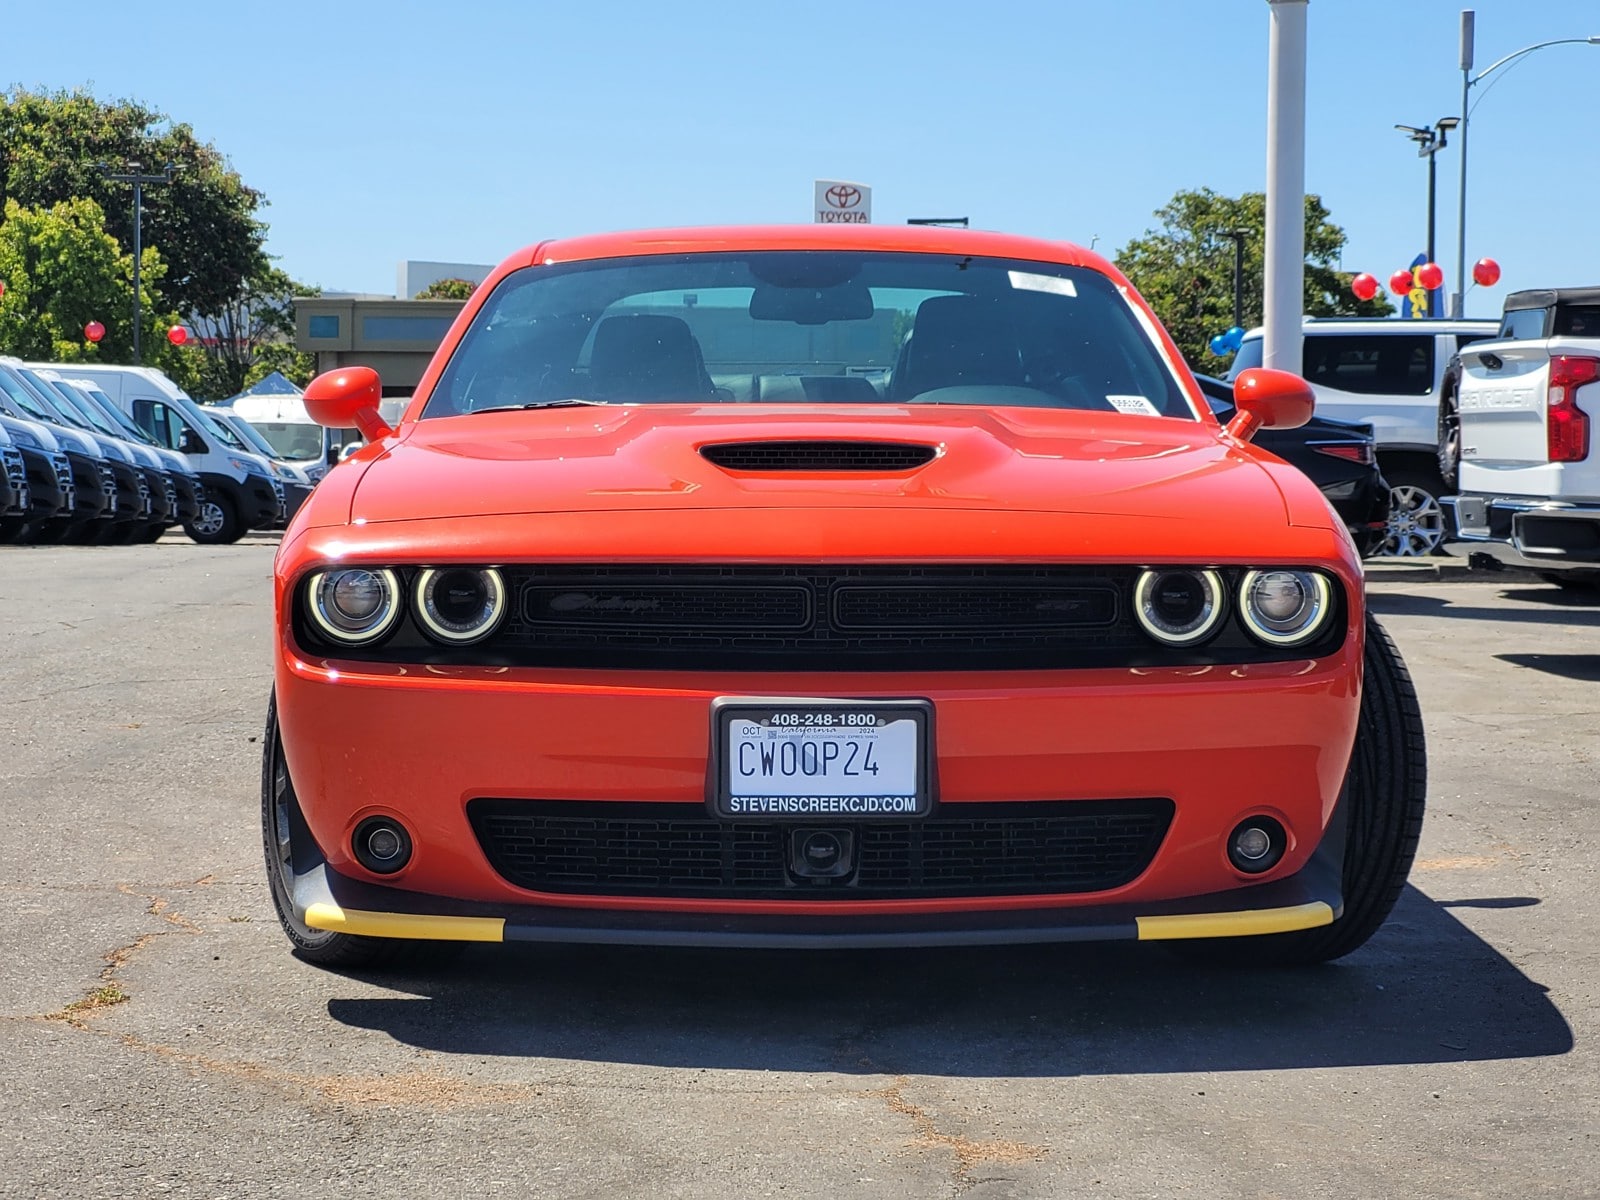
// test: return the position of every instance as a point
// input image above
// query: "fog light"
(1256, 845)
(381, 845)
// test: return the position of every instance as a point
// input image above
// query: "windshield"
(214, 427)
(22, 400)
(88, 414)
(288, 439)
(40, 401)
(788, 327)
(123, 422)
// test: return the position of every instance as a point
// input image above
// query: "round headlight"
(1284, 608)
(354, 605)
(460, 604)
(1179, 607)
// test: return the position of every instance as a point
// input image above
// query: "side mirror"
(346, 397)
(1267, 399)
(189, 443)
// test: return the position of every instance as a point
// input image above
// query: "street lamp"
(139, 179)
(1468, 82)
(1429, 142)
(1238, 236)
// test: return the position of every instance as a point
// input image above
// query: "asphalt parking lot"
(159, 1039)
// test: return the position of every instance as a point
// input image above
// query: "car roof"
(1387, 325)
(923, 239)
(1545, 297)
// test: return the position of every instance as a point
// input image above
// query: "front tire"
(1385, 794)
(216, 524)
(284, 836)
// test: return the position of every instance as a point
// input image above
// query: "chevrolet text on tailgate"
(823, 586)
(1530, 480)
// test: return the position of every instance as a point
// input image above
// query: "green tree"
(252, 335)
(447, 289)
(62, 270)
(204, 222)
(1185, 268)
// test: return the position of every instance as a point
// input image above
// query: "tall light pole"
(1284, 300)
(139, 179)
(1468, 82)
(1238, 236)
(1429, 142)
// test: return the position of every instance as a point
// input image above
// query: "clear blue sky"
(462, 131)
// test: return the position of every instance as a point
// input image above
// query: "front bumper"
(1540, 535)
(419, 744)
(324, 899)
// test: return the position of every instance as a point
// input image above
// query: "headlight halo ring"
(319, 587)
(433, 624)
(1212, 616)
(1318, 600)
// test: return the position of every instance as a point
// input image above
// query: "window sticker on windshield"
(1024, 281)
(1137, 405)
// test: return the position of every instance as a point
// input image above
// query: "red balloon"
(1401, 282)
(3, 285)
(177, 335)
(1430, 275)
(1364, 286)
(1486, 271)
(94, 331)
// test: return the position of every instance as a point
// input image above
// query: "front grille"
(622, 849)
(815, 617)
(64, 482)
(17, 476)
(818, 456)
(283, 504)
(108, 484)
(908, 617)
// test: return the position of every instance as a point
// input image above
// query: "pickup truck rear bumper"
(1543, 535)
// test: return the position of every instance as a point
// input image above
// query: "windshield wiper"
(569, 402)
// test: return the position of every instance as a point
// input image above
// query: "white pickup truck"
(1530, 469)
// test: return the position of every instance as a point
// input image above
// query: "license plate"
(821, 760)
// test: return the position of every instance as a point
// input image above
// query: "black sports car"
(1339, 456)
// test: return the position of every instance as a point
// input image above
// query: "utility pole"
(139, 180)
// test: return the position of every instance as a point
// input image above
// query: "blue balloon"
(1219, 346)
(1235, 337)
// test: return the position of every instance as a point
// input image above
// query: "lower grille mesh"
(678, 850)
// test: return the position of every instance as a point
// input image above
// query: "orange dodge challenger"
(826, 586)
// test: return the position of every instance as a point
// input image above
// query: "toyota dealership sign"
(842, 203)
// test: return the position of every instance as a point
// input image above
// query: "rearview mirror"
(1268, 399)
(346, 397)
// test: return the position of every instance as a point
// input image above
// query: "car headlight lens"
(354, 605)
(459, 605)
(1179, 607)
(1284, 608)
(249, 466)
(23, 437)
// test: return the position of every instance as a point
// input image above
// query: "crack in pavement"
(966, 1153)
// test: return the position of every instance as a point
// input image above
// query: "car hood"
(594, 459)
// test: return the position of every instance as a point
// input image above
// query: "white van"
(294, 437)
(242, 490)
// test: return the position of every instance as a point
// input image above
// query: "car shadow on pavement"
(1425, 990)
(1585, 667)
(1555, 610)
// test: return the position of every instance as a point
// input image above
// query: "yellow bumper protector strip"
(1236, 924)
(405, 925)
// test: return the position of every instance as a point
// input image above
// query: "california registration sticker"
(821, 760)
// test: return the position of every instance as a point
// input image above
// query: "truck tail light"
(1567, 425)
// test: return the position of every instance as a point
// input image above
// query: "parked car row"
(94, 453)
(1388, 374)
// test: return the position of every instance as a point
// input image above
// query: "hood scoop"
(791, 455)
